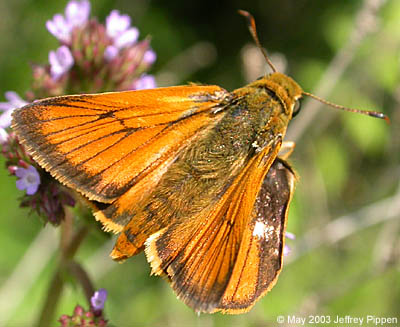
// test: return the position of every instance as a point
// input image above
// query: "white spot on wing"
(261, 230)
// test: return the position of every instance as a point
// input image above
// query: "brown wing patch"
(103, 144)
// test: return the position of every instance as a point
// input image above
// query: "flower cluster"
(82, 318)
(92, 57)
(93, 317)
(44, 194)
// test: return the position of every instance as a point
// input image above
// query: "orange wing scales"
(85, 140)
(123, 208)
(207, 269)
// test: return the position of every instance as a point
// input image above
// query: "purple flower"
(290, 236)
(3, 136)
(117, 24)
(60, 28)
(61, 61)
(13, 101)
(98, 299)
(149, 57)
(145, 82)
(287, 249)
(111, 52)
(127, 38)
(29, 179)
(76, 14)
(119, 30)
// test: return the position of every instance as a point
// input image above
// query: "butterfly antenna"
(375, 114)
(251, 23)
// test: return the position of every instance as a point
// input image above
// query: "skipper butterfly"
(190, 174)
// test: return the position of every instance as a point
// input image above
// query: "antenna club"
(375, 114)
(244, 13)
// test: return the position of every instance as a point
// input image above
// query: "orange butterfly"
(189, 174)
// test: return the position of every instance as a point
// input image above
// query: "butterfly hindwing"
(230, 255)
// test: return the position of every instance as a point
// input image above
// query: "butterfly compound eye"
(296, 108)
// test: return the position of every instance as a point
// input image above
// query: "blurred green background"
(346, 210)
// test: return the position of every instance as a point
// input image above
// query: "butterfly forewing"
(102, 145)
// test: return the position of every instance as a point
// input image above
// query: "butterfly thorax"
(282, 87)
(273, 98)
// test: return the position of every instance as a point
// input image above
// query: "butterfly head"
(288, 90)
(285, 89)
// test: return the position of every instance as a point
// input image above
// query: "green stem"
(53, 296)
(67, 227)
(69, 245)
(75, 242)
(83, 278)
